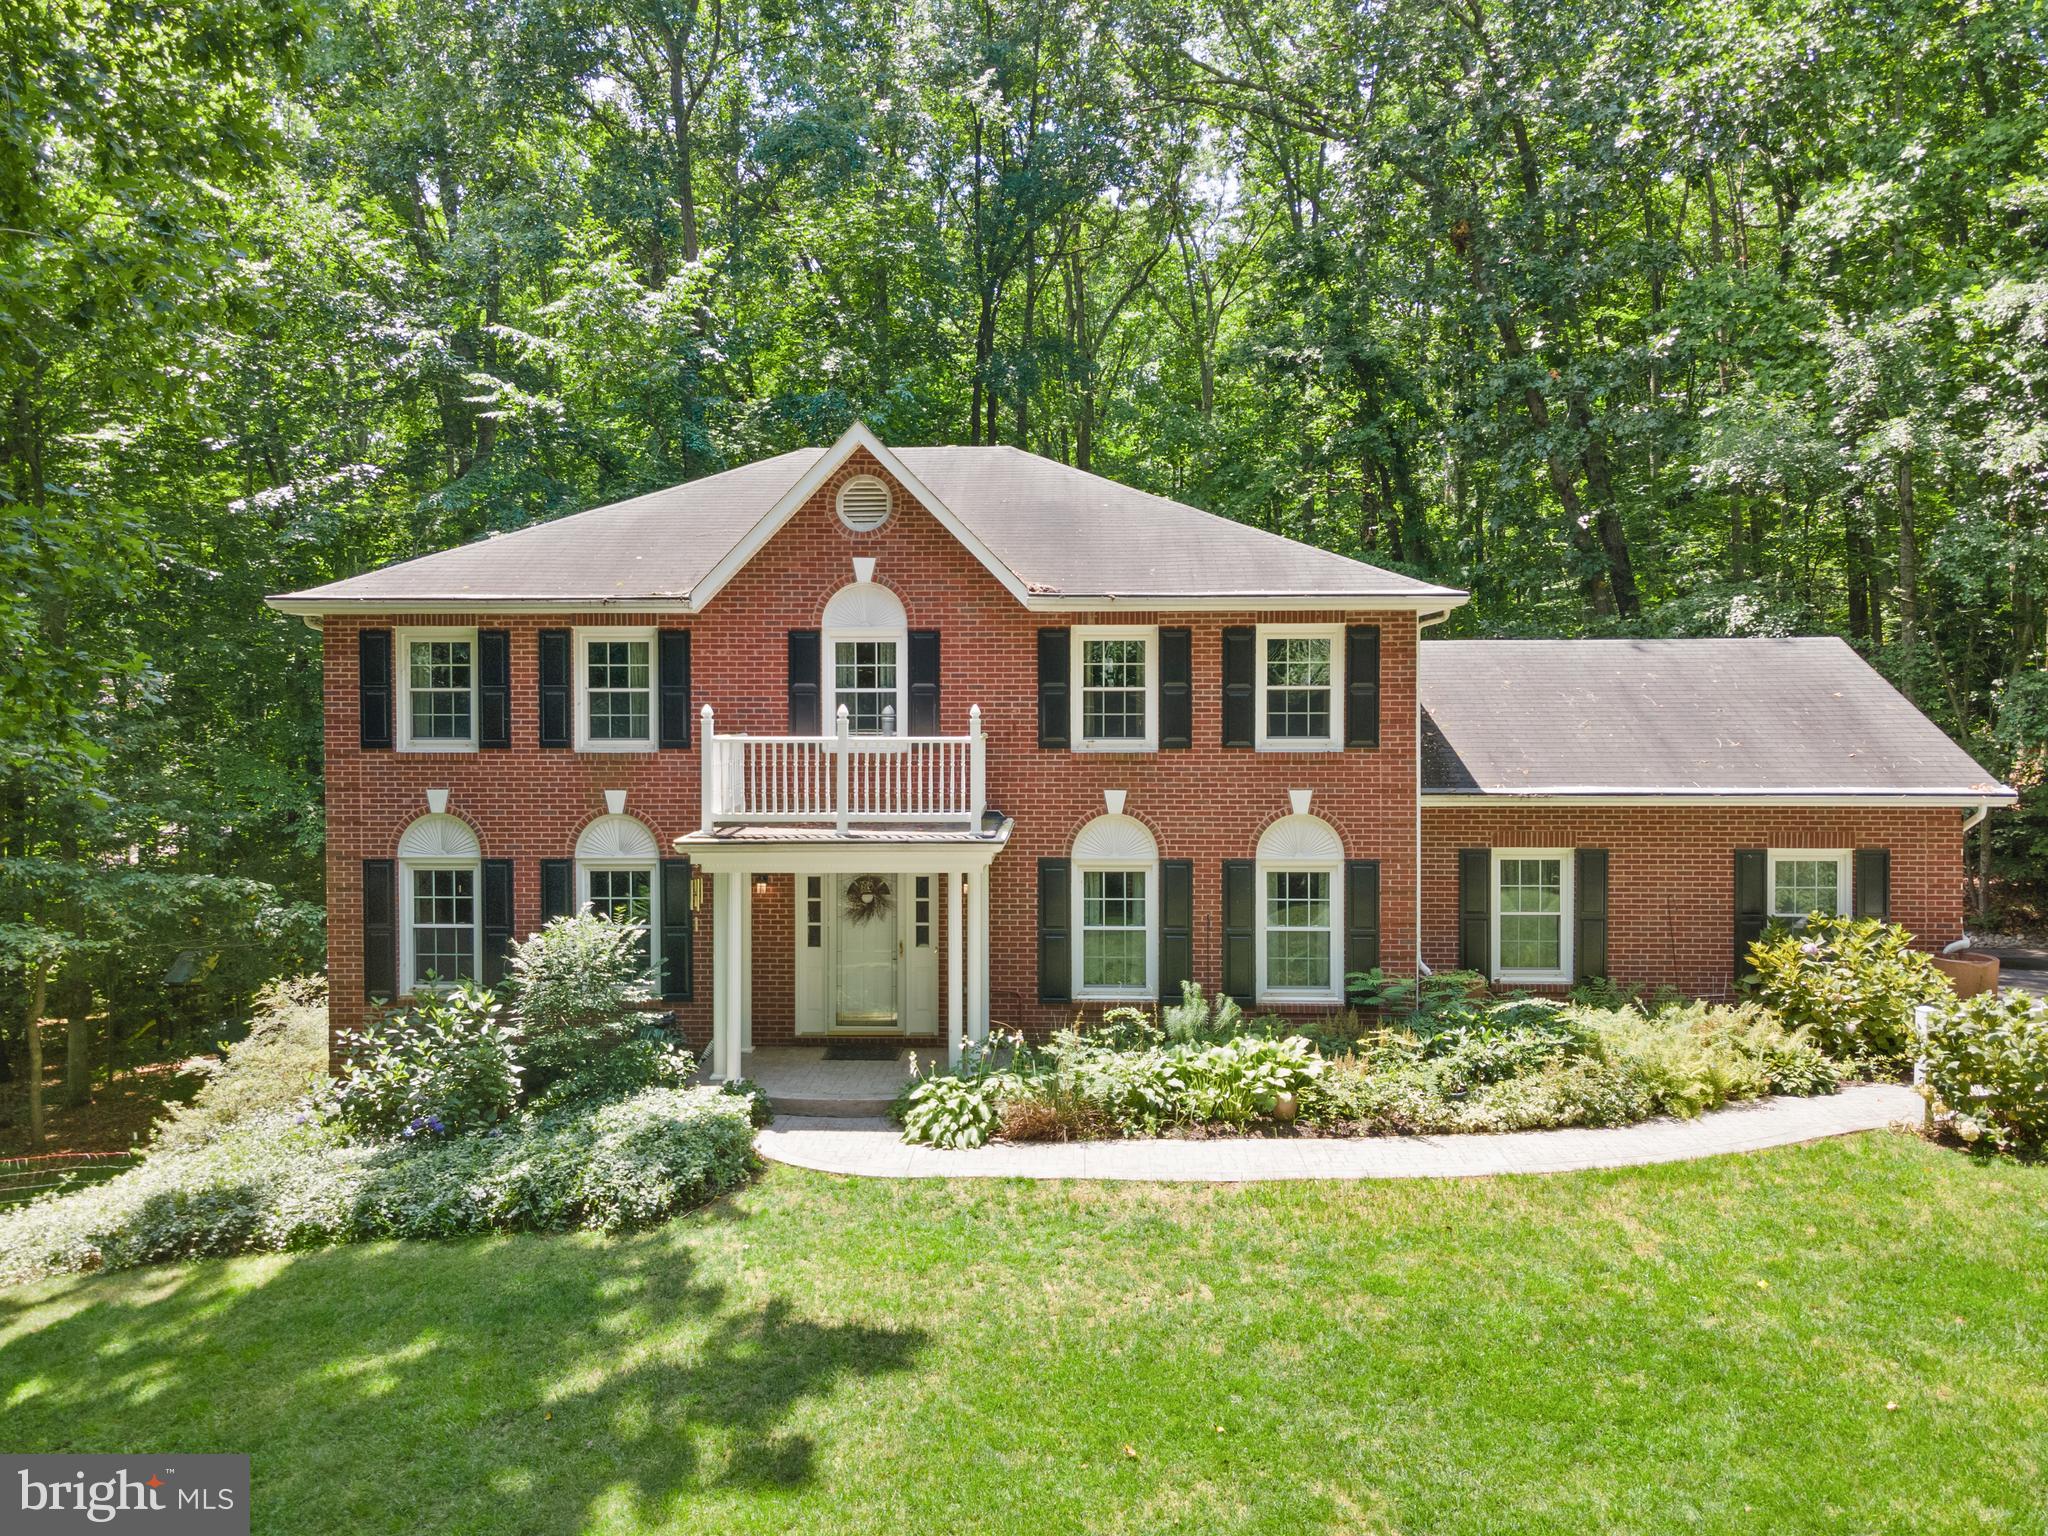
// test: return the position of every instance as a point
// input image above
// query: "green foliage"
(575, 989)
(1987, 1061)
(618, 1072)
(759, 1111)
(1850, 983)
(1196, 1018)
(268, 1184)
(946, 1111)
(443, 1067)
(269, 1071)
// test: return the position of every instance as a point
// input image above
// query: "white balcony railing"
(844, 778)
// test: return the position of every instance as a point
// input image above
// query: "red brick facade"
(1670, 874)
(1671, 888)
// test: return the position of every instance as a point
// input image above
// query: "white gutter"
(1150, 602)
(1959, 799)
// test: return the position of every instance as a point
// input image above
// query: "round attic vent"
(863, 503)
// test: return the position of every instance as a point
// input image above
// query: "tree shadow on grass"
(498, 1384)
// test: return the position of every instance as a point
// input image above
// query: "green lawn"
(1714, 1346)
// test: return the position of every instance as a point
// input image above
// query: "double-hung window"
(615, 690)
(1299, 938)
(625, 894)
(864, 680)
(1301, 685)
(1116, 933)
(1808, 880)
(1116, 689)
(442, 923)
(1532, 936)
(437, 688)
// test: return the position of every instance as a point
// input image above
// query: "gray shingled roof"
(1806, 717)
(1060, 531)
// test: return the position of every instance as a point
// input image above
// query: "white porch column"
(746, 970)
(724, 971)
(977, 954)
(954, 980)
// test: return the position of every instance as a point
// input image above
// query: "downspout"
(1422, 622)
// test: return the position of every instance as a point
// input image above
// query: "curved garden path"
(874, 1148)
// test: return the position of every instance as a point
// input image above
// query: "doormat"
(863, 1050)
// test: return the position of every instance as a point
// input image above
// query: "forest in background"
(1695, 319)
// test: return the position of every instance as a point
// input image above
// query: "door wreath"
(867, 898)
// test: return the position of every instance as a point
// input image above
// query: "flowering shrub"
(1849, 983)
(1987, 1061)
(576, 987)
(445, 1065)
(619, 1071)
(272, 1184)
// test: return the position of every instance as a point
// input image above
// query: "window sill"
(1299, 1000)
(1131, 748)
(1533, 978)
(1300, 746)
(1132, 995)
(437, 747)
(616, 746)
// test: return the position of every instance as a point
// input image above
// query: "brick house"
(903, 742)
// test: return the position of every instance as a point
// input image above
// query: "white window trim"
(1076, 702)
(1149, 992)
(1566, 898)
(1334, 633)
(585, 868)
(828, 685)
(408, 950)
(583, 637)
(1334, 992)
(1845, 875)
(402, 664)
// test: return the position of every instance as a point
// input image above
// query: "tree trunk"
(38, 990)
(77, 1061)
(1909, 556)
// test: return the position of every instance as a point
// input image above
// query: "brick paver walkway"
(874, 1149)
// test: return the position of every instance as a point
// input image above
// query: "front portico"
(872, 907)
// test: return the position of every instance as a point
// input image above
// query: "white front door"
(867, 959)
(867, 954)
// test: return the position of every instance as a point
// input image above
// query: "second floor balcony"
(845, 779)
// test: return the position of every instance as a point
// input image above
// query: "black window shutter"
(1362, 685)
(1055, 936)
(1589, 900)
(1240, 930)
(497, 919)
(1873, 891)
(1361, 916)
(557, 889)
(924, 683)
(1752, 903)
(380, 928)
(1240, 684)
(493, 689)
(1176, 926)
(678, 933)
(806, 705)
(556, 728)
(373, 688)
(1475, 910)
(1055, 662)
(1176, 692)
(672, 677)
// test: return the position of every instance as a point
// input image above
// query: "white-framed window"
(1115, 910)
(617, 866)
(1532, 906)
(1301, 912)
(1115, 694)
(1809, 880)
(615, 705)
(865, 643)
(1300, 687)
(440, 892)
(436, 690)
